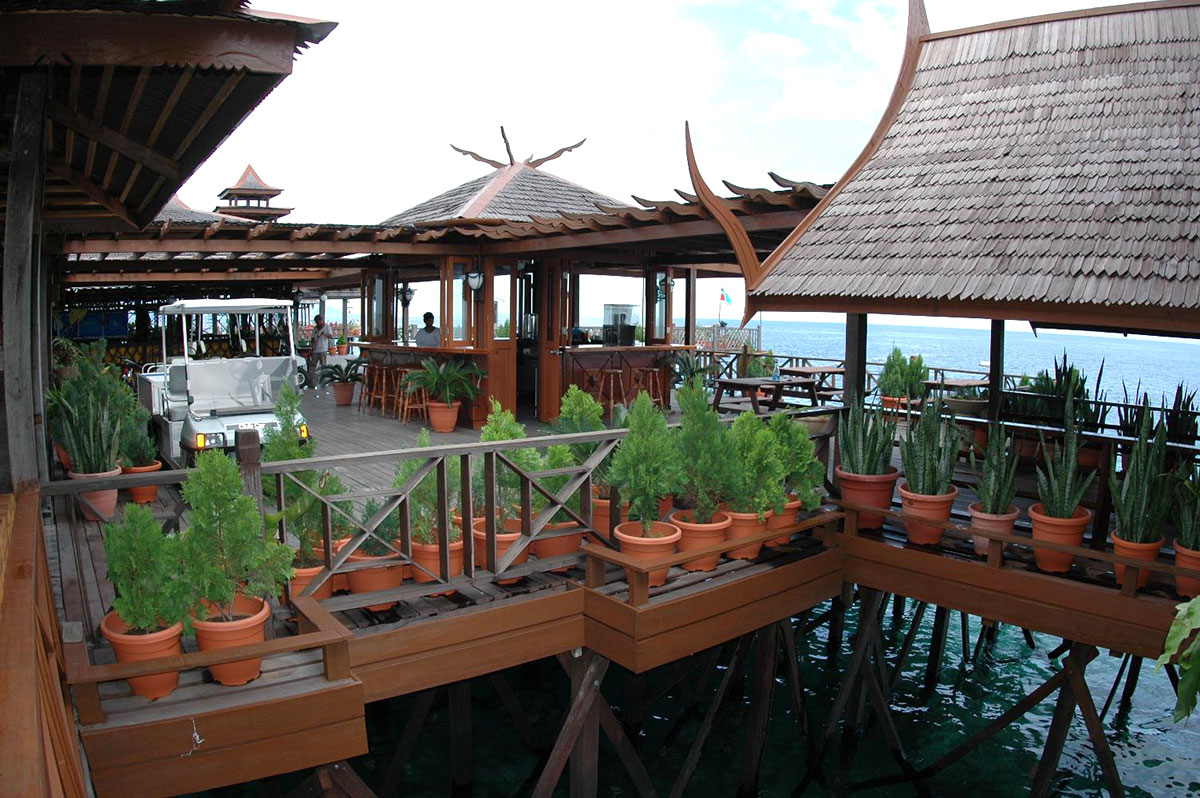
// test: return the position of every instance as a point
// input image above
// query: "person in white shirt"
(322, 337)
(428, 335)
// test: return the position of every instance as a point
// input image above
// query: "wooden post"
(996, 371)
(22, 234)
(249, 457)
(690, 308)
(761, 691)
(854, 382)
(460, 738)
(937, 648)
(585, 756)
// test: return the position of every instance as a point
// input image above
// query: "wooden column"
(996, 371)
(690, 308)
(855, 379)
(22, 233)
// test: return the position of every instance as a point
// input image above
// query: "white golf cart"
(197, 401)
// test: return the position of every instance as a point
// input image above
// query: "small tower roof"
(250, 185)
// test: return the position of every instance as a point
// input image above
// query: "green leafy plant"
(91, 412)
(902, 376)
(1187, 503)
(704, 447)
(1060, 486)
(224, 548)
(929, 451)
(1130, 414)
(350, 371)
(502, 425)
(388, 529)
(1142, 495)
(447, 381)
(686, 366)
(755, 470)
(422, 501)
(145, 567)
(647, 464)
(1183, 644)
(1182, 418)
(580, 412)
(865, 440)
(803, 474)
(756, 364)
(996, 483)
(137, 448)
(64, 352)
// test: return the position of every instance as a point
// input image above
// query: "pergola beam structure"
(76, 122)
(113, 205)
(129, 278)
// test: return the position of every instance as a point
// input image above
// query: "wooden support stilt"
(336, 780)
(909, 638)
(587, 671)
(966, 637)
(837, 627)
(799, 703)
(761, 692)
(1112, 693)
(937, 649)
(460, 738)
(1083, 697)
(1029, 641)
(1135, 671)
(633, 705)
(408, 738)
(693, 757)
(899, 604)
(512, 705)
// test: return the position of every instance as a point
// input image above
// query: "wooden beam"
(21, 251)
(163, 115)
(133, 278)
(97, 113)
(93, 191)
(107, 246)
(855, 378)
(135, 97)
(996, 371)
(118, 142)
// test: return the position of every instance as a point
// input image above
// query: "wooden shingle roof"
(1050, 162)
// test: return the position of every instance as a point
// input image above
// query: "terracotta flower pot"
(427, 556)
(699, 536)
(443, 417)
(143, 494)
(933, 508)
(1187, 586)
(991, 523)
(558, 545)
(896, 406)
(971, 408)
(629, 534)
(247, 628)
(512, 531)
(744, 525)
(64, 458)
(871, 490)
(1135, 551)
(305, 575)
(789, 516)
(339, 581)
(105, 501)
(665, 505)
(343, 393)
(602, 515)
(138, 647)
(370, 580)
(1067, 531)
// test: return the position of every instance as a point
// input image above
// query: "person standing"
(321, 338)
(428, 335)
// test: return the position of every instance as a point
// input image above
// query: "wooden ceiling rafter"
(106, 76)
(73, 99)
(163, 115)
(75, 122)
(97, 194)
(135, 98)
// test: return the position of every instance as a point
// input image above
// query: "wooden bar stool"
(374, 386)
(416, 403)
(397, 392)
(651, 381)
(611, 388)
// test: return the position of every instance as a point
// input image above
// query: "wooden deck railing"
(39, 750)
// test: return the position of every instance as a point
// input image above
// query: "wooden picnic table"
(955, 384)
(824, 375)
(750, 386)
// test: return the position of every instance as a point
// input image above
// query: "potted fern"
(342, 377)
(1187, 528)
(996, 486)
(929, 451)
(152, 600)
(704, 448)
(754, 490)
(447, 384)
(645, 468)
(866, 475)
(231, 567)
(803, 474)
(1058, 517)
(1141, 498)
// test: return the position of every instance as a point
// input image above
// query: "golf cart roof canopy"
(186, 306)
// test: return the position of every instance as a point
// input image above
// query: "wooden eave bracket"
(61, 168)
(739, 239)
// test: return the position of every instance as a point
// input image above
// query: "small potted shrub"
(373, 550)
(928, 453)
(866, 475)
(1058, 516)
(447, 384)
(231, 567)
(342, 377)
(803, 474)
(580, 412)
(902, 381)
(545, 546)
(1141, 498)
(996, 486)
(1187, 528)
(139, 455)
(422, 520)
(754, 490)
(343, 346)
(646, 467)
(704, 447)
(502, 425)
(152, 600)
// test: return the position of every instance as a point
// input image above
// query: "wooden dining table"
(750, 387)
(824, 375)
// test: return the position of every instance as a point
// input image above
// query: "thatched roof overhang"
(1045, 169)
(140, 94)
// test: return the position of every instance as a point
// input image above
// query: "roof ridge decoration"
(531, 162)
(918, 28)
(743, 247)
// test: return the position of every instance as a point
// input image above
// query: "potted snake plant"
(996, 486)
(704, 447)
(866, 475)
(1187, 528)
(928, 452)
(1058, 517)
(1141, 498)
(447, 383)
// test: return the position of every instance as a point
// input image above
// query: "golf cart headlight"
(209, 441)
(304, 431)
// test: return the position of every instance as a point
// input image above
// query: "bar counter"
(473, 414)
(585, 365)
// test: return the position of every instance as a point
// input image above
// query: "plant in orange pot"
(928, 453)
(139, 455)
(231, 567)
(447, 384)
(341, 378)
(866, 475)
(803, 474)
(754, 486)
(502, 425)
(1058, 517)
(580, 412)
(646, 467)
(423, 520)
(1141, 498)
(552, 540)
(1187, 528)
(704, 449)
(996, 486)
(152, 600)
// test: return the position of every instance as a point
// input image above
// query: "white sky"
(361, 129)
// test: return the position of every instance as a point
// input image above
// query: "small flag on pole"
(725, 297)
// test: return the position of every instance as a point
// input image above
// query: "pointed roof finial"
(531, 162)
(511, 160)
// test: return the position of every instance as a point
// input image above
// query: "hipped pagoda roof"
(1023, 169)
(250, 185)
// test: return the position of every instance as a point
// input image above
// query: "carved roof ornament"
(739, 239)
(531, 162)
